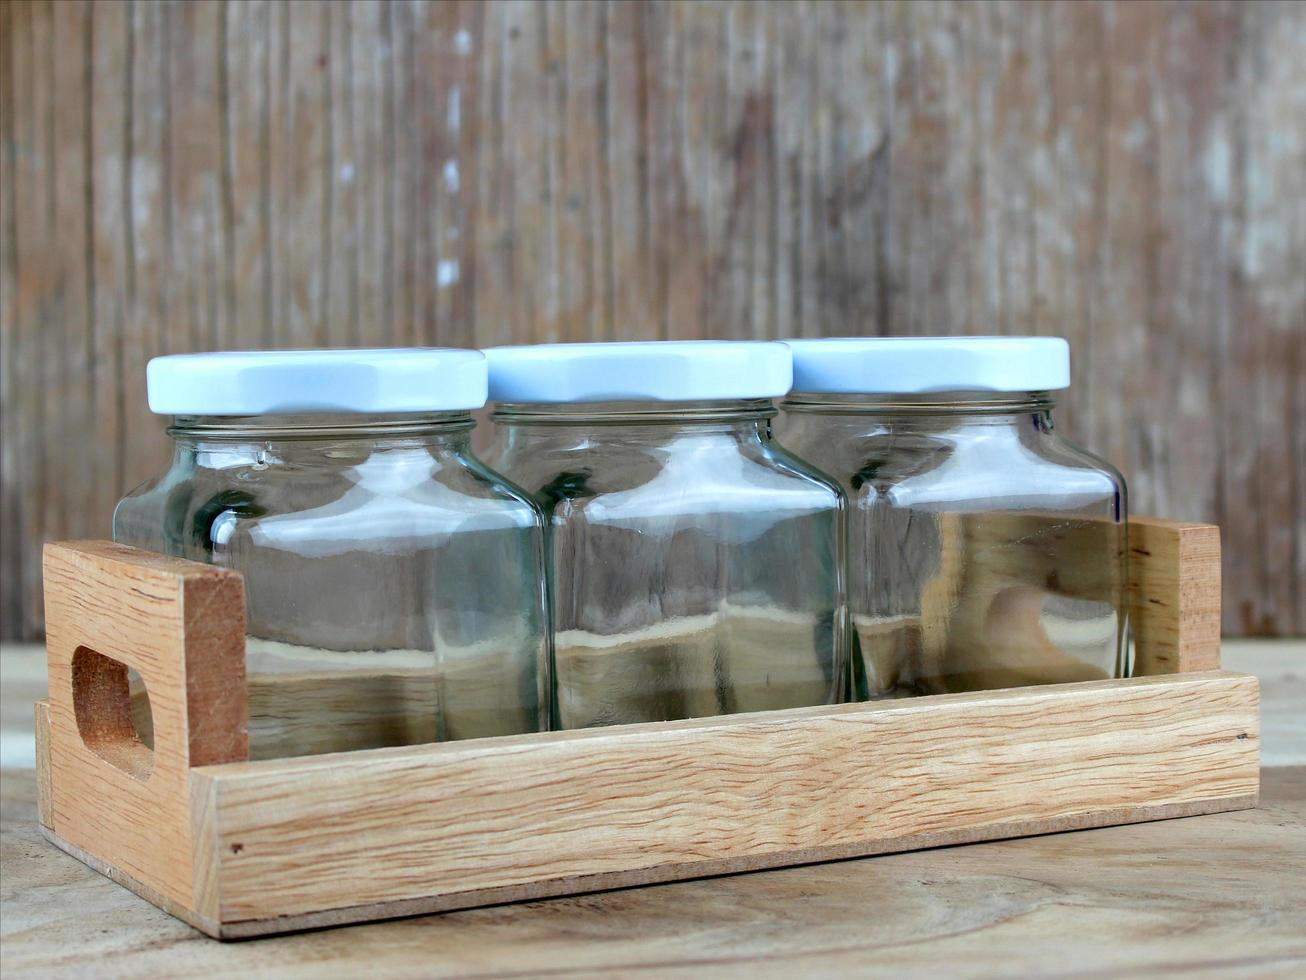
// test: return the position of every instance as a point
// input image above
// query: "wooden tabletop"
(1216, 895)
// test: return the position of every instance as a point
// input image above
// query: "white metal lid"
(400, 380)
(897, 365)
(654, 371)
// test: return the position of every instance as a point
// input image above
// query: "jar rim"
(633, 412)
(320, 425)
(960, 402)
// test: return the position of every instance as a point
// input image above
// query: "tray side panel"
(457, 824)
(558, 887)
(1174, 579)
(181, 626)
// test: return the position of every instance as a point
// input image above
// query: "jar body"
(984, 550)
(394, 583)
(694, 566)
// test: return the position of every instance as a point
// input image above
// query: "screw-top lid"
(380, 382)
(900, 365)
(654, 371)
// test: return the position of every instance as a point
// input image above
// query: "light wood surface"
(195, 174)
(467, 823)
(303, 843)
(182, 626)
(1213, 896)
(1117, 902)
(1175, 618)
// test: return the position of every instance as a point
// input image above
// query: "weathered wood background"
(193, 175)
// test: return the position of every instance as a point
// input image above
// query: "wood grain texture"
(1118, 902)
(192, 174)
(181, 626)
(1173, 583)
(323, 851)
(1175, 618)
(537, 815)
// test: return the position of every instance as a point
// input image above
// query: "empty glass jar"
(394, 583)
(694, 565)
(985, 551)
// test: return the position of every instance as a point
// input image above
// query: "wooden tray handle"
(1173, 582)
(1174, 594)
(179, 624)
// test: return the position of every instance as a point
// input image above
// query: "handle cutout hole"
(106, 704)
(142, 719)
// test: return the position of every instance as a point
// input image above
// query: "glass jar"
(985, 551)
(694, 566)
(394, 583)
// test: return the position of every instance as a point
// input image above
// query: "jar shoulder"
(701, 479)
(381, 508)
(1063, 452)
(985, 470)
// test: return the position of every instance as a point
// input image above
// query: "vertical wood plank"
(1270, 297)
(689, 273)
(110, 250)
(12, 505)
(625, 128)
(1073, 220)
(492, 223)
(147, 205)
(583, 280)
(70, 334)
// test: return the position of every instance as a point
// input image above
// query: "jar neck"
(958, 407)
(320, 433)
(705, 415)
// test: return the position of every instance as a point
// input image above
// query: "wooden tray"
(239, 848)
